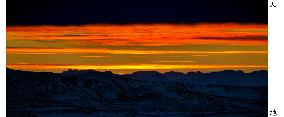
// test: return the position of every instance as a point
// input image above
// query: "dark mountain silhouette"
(142, 93)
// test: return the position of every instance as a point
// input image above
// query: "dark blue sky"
(65, 12)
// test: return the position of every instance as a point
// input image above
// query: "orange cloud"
(145, 35)
(94, 56)
(110, 51)
(174, 61)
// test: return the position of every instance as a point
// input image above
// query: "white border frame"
(275, 57)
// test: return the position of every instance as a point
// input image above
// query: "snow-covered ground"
(141, 94)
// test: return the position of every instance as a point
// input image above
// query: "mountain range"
(87, 93)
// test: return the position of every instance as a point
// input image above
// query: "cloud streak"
(111, 51)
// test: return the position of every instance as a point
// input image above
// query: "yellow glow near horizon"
(131, 67)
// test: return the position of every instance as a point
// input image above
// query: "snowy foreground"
(141, 94)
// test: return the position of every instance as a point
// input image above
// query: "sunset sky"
(128, 48)
(124, 36)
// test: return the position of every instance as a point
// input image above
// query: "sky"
(70, 12)
(126, 36)
(128, 48)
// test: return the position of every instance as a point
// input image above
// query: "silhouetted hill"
(142, 93)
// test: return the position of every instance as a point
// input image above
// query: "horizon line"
(95, 70)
